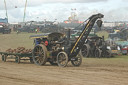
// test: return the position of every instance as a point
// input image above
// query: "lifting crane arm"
(75, 48)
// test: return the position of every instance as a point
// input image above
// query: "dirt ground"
(88, 73)
(93, 71)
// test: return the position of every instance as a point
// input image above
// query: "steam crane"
(75, 48)
(62, 50)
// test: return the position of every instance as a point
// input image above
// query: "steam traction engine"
(57, 48)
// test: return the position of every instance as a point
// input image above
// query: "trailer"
(16, 56)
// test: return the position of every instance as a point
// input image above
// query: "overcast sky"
(114, 10)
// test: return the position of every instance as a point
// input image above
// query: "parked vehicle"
(124, 50)
(96, 47)
(4, 29)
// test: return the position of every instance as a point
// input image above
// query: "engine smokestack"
(68, 33)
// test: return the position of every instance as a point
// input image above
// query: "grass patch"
(14, 40)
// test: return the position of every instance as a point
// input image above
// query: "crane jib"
(80, 37)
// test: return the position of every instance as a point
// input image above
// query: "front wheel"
(77, 60)
(31, 60)
(108, 54)
(17, 59)
(62, 59)
(4, 58)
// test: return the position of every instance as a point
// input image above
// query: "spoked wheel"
(39, 54)
(85, 50)
(62, 59)
(17, 59)
(31, 60)
(97, 53)
(108, 54)
(77, 60)
(4, 57)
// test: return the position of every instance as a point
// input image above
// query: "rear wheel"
(62, 59)
(85, 50)
(77, 60)
(97, 53)
(39, 54)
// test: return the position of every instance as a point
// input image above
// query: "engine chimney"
(68, 34)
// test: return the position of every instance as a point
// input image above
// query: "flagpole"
(25, 11)
(6, 9)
